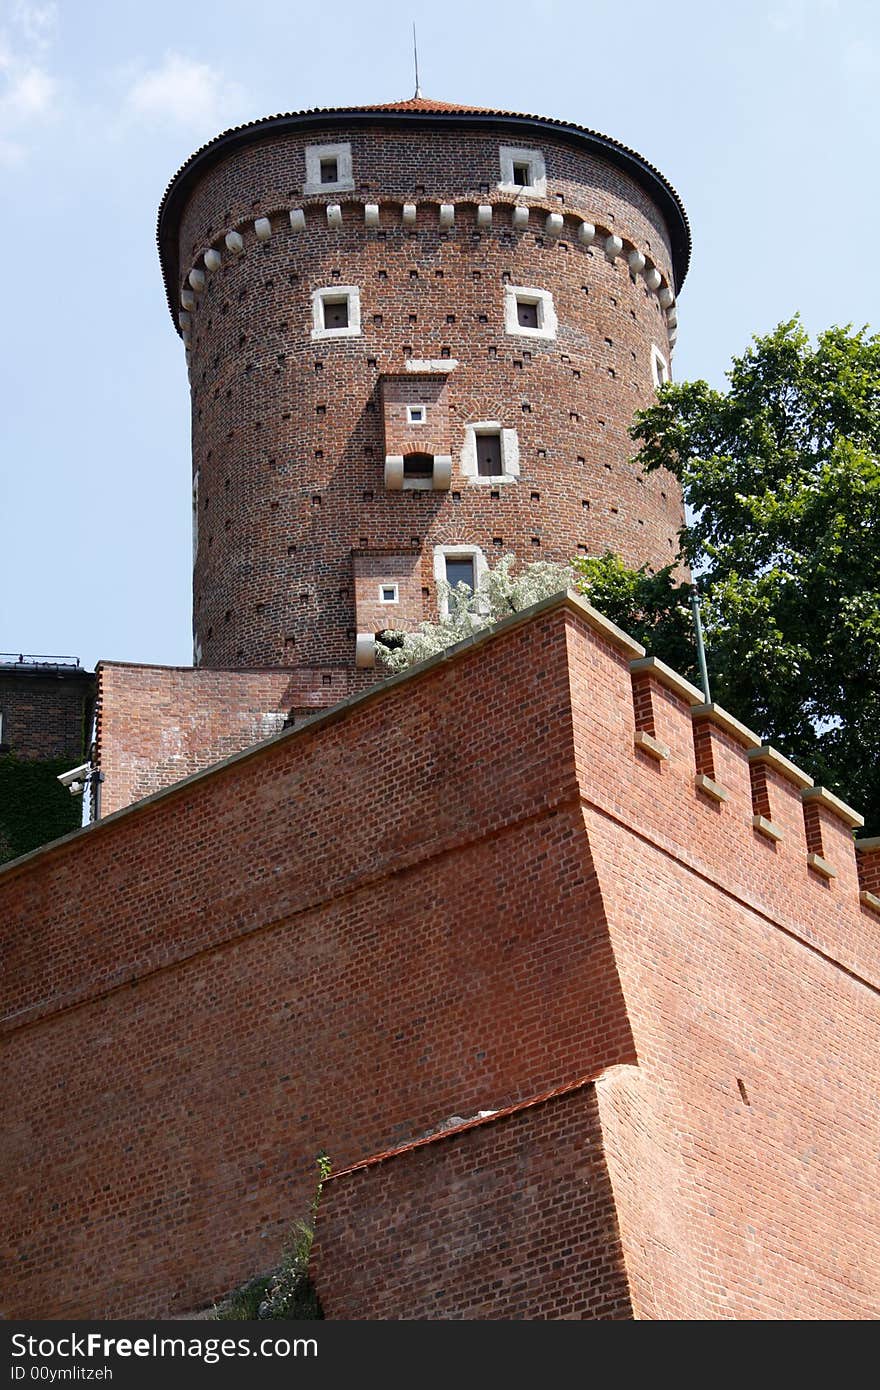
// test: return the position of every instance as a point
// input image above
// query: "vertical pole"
(701, 647)
(418, 91)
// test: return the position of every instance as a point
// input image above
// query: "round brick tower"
(416, 337)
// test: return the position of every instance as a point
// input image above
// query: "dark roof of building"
(416, 111)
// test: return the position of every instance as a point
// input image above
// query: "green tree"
(781, 476)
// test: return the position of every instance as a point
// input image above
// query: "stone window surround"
(509, 453)
(510, 155)
(481, 566)
(394, 586)
(334, 292)
(660, 372)
(525, 294)
(342, 155)
(411, 420)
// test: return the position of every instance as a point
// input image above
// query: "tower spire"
(418, 90)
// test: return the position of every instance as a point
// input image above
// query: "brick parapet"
(157, 725)
(46, 713)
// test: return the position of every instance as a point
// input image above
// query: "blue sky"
(764, 116)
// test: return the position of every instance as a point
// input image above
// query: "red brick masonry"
(460, 891)
(159, 724)
(509, 1217)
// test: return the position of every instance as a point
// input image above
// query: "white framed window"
(490, 453)
(328, 169)
(522, 171)
(529, 312)
(458, 564)
(659, 367)
(416, 414)
(336, 312)
(389, 593)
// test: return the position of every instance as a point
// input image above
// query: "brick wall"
(220, 983)
(463, 890)
(46, 713)
(512, 1217)
(159, 724)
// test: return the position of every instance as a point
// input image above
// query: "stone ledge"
(767, 828)
(709, 788)
(821, 796)
(664, 675)
(821, 866)
(646, 743)
(714, 714)
(773, 758)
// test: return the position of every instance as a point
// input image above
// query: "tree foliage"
(781, 476)
(654, 608)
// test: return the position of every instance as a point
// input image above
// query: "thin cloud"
(862, 59)
(36, 23)
(26, 95)
(184, 93)
(28, 90)
(795, 17)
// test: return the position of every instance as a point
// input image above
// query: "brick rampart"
(462, 890)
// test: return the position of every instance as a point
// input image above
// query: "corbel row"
(553, 224)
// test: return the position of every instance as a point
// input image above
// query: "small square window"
(336, 312)
(526, 313)
(416, 415)
(328, 169)
(529, 311)
(388, 593)
(522, 171)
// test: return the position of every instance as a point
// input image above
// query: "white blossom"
(499, 594)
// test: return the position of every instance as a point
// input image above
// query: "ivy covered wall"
(34, 806)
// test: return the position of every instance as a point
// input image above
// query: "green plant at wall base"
(34, 807)
(287, 1293)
